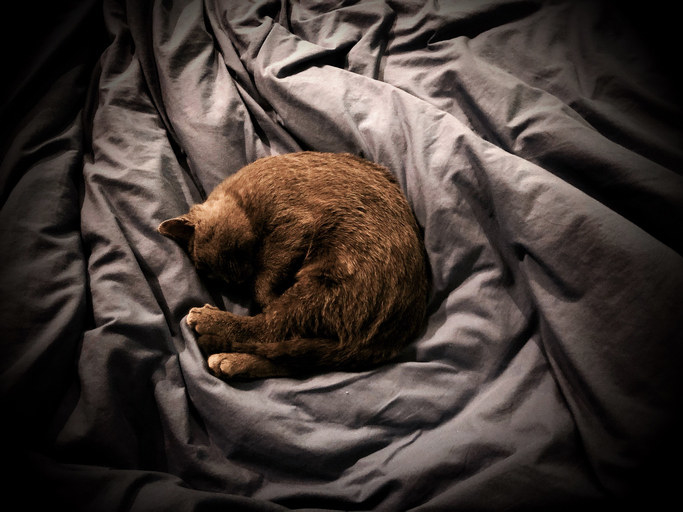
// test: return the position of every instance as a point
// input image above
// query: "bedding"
(539, 145)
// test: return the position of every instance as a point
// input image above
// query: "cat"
(330, 251)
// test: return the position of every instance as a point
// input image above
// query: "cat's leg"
(303, 355)
(218, 329)
(291, 358)
(301, 326)
(245, 366)
(283, 254)
(220, 332)
(288, 332)
(299, 353)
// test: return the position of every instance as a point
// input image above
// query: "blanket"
(539, 146)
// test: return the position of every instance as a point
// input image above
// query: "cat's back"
(314, 173)
(324, 184)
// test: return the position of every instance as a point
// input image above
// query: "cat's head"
(219, 239)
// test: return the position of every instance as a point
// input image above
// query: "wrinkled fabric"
(540, 148)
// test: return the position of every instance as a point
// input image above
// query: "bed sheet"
(539, 145)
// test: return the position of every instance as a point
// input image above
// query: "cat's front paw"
(204, 319)
(212, 326)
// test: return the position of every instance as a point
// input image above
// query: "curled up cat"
(330, 251)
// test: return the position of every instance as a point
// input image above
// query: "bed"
(539, 145)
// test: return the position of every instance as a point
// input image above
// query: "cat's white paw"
(243, 366)
(199, 315)
(229, 365)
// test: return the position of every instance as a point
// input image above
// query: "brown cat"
(330, 250)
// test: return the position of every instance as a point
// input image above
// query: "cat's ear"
(179, 229)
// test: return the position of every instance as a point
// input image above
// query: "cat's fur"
(332, 254)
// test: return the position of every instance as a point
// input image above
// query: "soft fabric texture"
(539, 145)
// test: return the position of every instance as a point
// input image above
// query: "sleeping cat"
(330, 251)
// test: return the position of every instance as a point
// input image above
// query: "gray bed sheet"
(539, 144)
